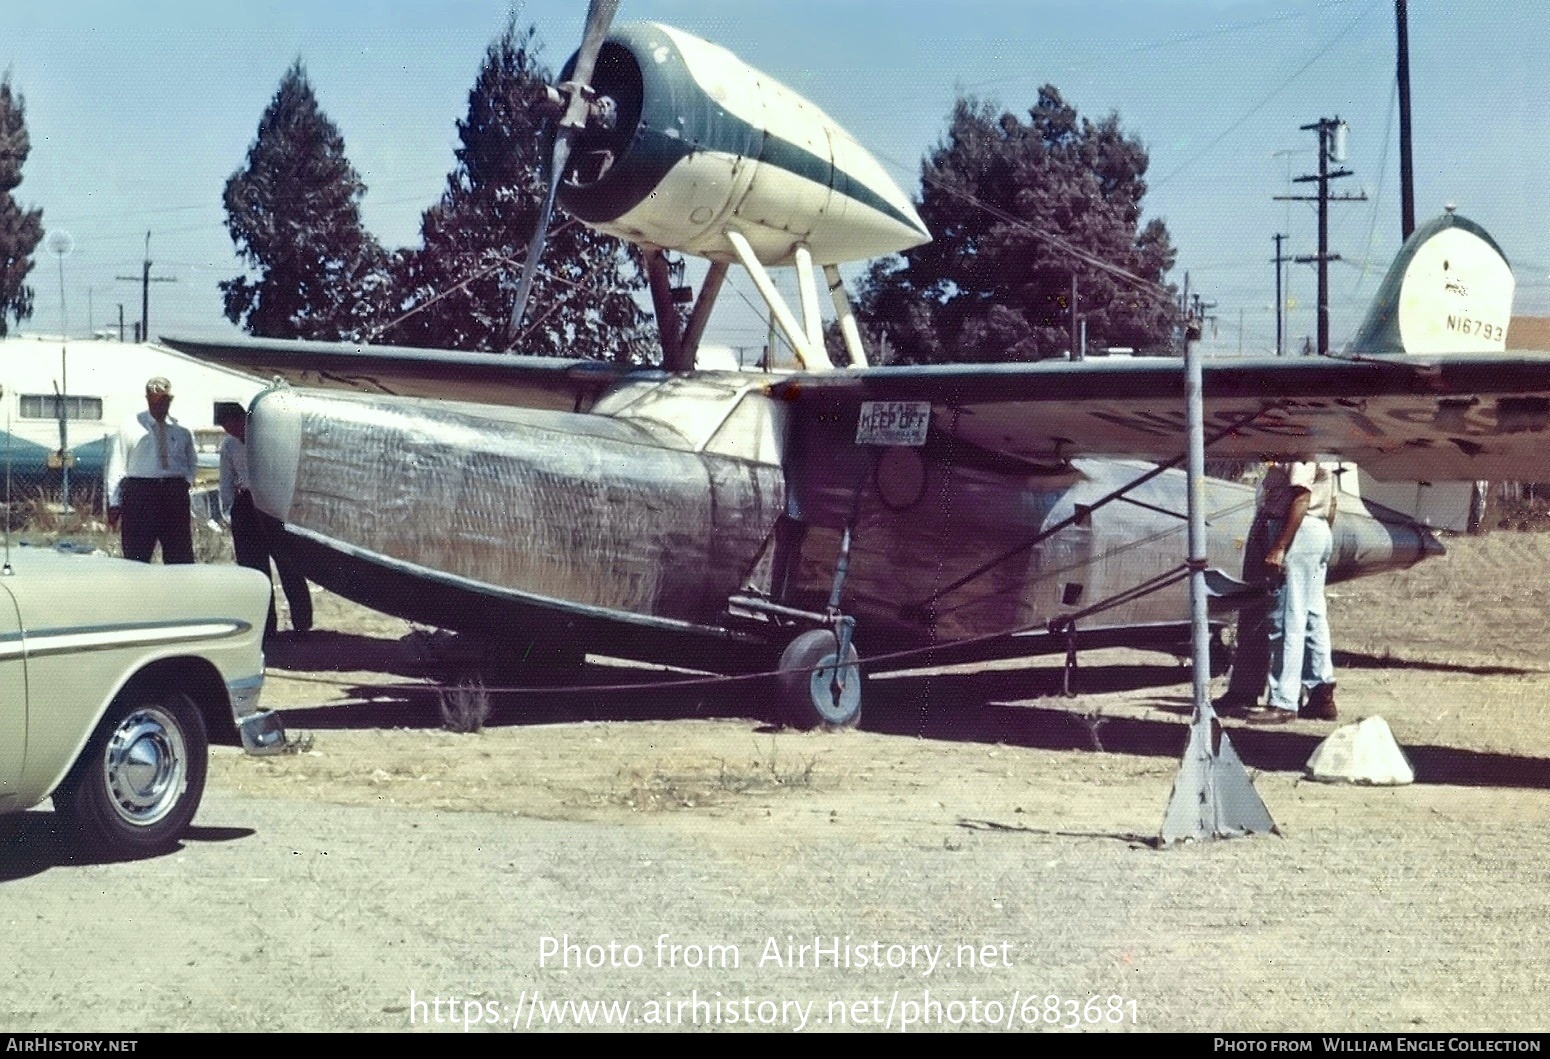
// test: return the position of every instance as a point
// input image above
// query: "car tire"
(138, 783)
(806, 677)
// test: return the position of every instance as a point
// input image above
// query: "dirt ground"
(672, 848)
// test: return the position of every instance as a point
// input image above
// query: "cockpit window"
(756, 431)
(682, 413)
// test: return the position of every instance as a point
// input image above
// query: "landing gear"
(817, 689)
(820, 672)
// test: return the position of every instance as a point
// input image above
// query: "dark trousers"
(155, 510)
(258, 538)
(1251, 658)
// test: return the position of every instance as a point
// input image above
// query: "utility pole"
(1076, 350)
(145, 279)
(1406, 177)
(1199, 314)
(1279, 261)
(1332, 133)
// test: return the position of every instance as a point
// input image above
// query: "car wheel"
(138, 783)
(808, 671)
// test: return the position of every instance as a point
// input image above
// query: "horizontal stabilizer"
(1223, 587)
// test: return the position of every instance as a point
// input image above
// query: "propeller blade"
(535, 246)
(600, 15)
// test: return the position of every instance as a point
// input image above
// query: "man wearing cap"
(150, 467)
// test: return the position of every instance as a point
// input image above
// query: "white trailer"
(62, 400)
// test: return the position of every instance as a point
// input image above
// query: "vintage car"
(114, 676)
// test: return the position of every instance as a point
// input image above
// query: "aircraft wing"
(481, 378)
(1414, 417)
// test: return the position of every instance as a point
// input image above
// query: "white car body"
(111, 673)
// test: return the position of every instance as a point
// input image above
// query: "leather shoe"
(1230, 705)
(1270, 715)
(1321, 703)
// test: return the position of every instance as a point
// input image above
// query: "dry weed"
(661, 788)
(464, 708)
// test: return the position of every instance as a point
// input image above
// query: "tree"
(20, 230)
(294, 213)
(457, 290)
(993, 285)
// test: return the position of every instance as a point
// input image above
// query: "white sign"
(893, 423)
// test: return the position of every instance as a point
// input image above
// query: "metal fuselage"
(627, 529)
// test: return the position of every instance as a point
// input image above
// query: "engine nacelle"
(703, 143)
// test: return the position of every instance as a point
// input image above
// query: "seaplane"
(832, 520)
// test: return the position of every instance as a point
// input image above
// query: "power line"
(1183, 38)
(1257, 107)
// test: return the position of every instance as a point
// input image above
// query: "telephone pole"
(145, 279)
(1279, 260)
(1199, 313)
(1406, 178)
(1332, 134)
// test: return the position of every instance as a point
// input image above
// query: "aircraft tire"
(806, 681)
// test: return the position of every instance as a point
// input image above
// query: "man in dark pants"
(256, 537)
(150, 467)
(1251, 656)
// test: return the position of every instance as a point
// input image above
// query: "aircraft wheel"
(808, 669)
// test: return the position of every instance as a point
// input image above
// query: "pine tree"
(294, 213)
(990, 287)
(456, 291)
(20, 230)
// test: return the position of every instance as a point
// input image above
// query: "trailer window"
(46, 406)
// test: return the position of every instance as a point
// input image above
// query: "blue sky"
(139, 113)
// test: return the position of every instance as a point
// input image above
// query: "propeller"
(575, 94)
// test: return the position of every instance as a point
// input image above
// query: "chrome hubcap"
(147, 766)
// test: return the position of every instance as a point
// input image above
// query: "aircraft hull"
(532, 526)
(481, 518)
(942, 550)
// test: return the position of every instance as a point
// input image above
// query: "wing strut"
(847, 319)
(710, 290)
(812, 357)
(669, 326)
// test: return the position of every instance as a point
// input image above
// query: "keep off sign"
(893, 423)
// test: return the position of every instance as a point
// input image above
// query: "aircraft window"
(619, 398)
(754, 431)
(682, 412)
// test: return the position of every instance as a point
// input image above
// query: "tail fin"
(1448, 291)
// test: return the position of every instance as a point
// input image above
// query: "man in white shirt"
(255, 536)
(1298, 507)
(150, 467)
